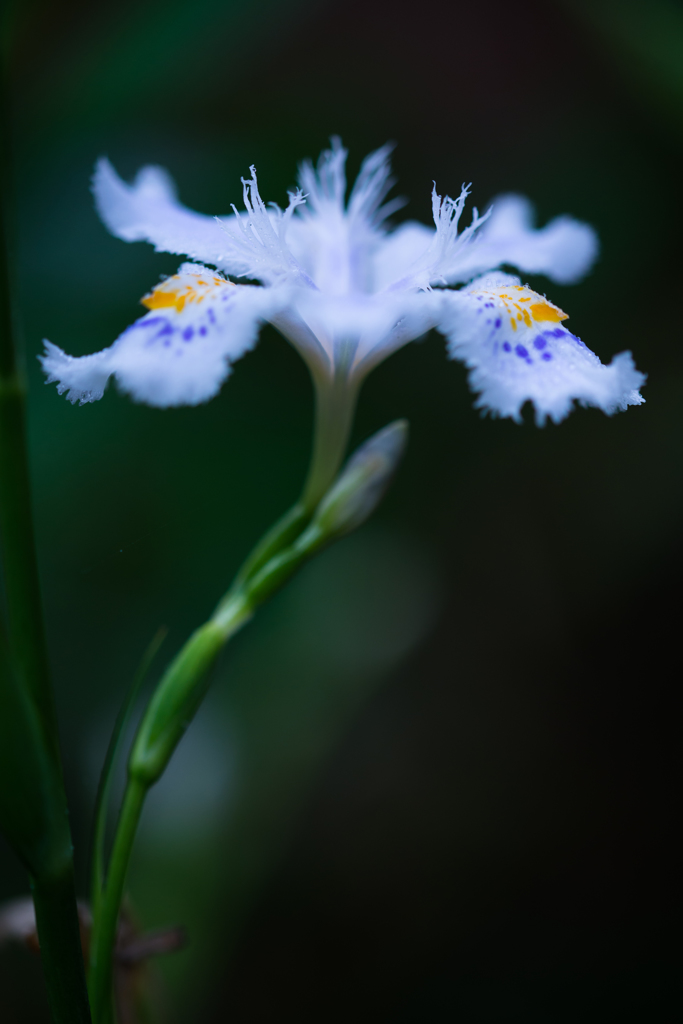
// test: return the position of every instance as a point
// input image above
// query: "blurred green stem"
(22, 591)
(22, 588)
(175, 700)
(335, 405)
(60, 947)
(105, 921)
(182, 688)
(36, 769)
(102, 798)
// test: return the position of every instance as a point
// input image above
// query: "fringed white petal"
(564, 250)
(518, 350)
(181, 351)
(259, 236)
(437, 264)
(83, 379)
(149, 211)
(370, 189)
(332, 240)
(325, 185)
(243, 245)
(415, 256)
(347, 293)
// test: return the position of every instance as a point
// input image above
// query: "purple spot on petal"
(507, 346)
(497, 323)
(540, 342)
(546, 356)
(202, 330)
(188, 333)
(166, 327)
(521, 352)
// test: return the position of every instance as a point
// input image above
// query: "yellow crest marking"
(539, 309)
(176, 291)
(544, 311)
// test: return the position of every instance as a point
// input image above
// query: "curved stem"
(183, 685)
(335, 405)
(102, 798)
(105, 924)
(284, 532)
(107, 908)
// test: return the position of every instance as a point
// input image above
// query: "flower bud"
(361, 485)
(353, 497)
(174, 704)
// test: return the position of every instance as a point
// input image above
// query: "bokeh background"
(433, 779)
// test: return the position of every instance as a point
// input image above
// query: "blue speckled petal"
(181, 351)
(517, 349)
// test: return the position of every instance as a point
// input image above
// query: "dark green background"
(433, 779)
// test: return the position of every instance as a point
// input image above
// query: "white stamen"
(262, 245)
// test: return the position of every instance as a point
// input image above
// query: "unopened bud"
(174, 704)
(354, 496)
(363, 481)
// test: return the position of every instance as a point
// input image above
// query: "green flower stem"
(38, 830)
(335, 405)
(20, 567)
(36, 767)
(170, 711)
(22, 589)
(102, 798)
(283, 533)
(103, 936)
(34, 817)
(182, 689)
(292, 540)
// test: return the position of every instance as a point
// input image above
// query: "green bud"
(176, 701)
(352, 498)
(363, 482)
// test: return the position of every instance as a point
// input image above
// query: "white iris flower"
(347, 291)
